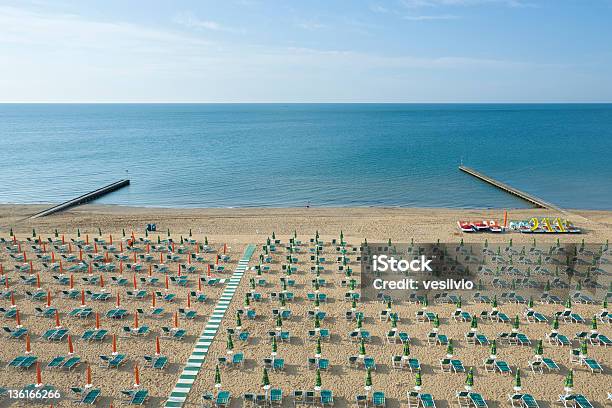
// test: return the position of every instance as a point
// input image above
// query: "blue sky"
(306, 51)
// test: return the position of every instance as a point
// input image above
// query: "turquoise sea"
(279, 155)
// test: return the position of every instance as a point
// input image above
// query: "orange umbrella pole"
(114, 344)
(176, 323)
(70, 346)
(188, 300)
(57, 319)
(18, 319)
(38, 281)
(39, 382)
(157, 346)
(89, 383)
(82, 297)
(136, 376)
(28, 348)
(199, 283)
(153, 300)
(118, 300)
(48, 298)
(71, 281)
(135, 320)
(134, 281)
(97, 321)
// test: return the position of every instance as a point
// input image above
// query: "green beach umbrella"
(229, 345)
(493, 348)
(317, 303)
(406, 350)
(495, 302)
(469, 380)
(265, 381)
(341, 236)
(547, 287)
(273, 235)
(425, 302)
(480, 284)
(436, 322)
(123, 232)
(583, 348)
(318, 382)
(252, 283)
(238, 320)
(389, 242)
(284, 284)
(517, 380)
(158, 240)
(57, 232)
(168, 232)
(539, 351)
(318, 349)
(274, 345)
(569, 381)
(78, 232)
(568, 304)
(368, 381)
(389, 305)
(317, 322)
(283, 302)
(359, 322)
(393, 321)
(594, 324)
(459, 303)
(362, 349)
(604, 304)
(474, 324)
(510, 244)
(190, 233)
(279, 321)
(516, 323)
(11, 233)
(217, 377)
(33, 233)
(247, 301)
(354, 304)
(418, 380)
(555, 323)
(352, 284)
(206, 241)
(530, 303)
(486, 243)
(449, 348)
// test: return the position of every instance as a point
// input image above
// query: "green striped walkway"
(196, 360)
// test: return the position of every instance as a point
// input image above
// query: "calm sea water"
(192, 155)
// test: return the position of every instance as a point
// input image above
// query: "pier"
(92, 195)
(538, 202)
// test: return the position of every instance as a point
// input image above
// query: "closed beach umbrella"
(318, 382)
(530, 304)
(157, 346)
(70, 346)
(265, 381)
(474, 325)
(516, 324)
(279, 321)
(114, 345)
(274, 346)
(539, 351)
(217, 377)
(459, 303)
(27, 342)
(569, 381)
(359, 323)
(88, 381)
(494, 302)
(317, 322)
(418, 381)
(436, 322)
(229, 344)
(247, 301)
(555, 324)
(136, 376)
(583, 348)
(362, 349)
(238, 320)
(568, 304)
(368, 381)
(318, 349)
(469, 381)
(594, 324)
(406, 351)
(493, 349)
(394, 321)
(517, 380)
(39, 382)
(449, 349)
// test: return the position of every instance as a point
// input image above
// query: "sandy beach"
(236, 228)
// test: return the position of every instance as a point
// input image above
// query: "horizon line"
(299, 103)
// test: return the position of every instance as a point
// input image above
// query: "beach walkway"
(194, 363)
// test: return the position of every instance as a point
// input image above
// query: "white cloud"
(431, 17)
(311, 25)
(190, 20)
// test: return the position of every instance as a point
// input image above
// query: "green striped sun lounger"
(457, 366)
(379, 399)
(427, 401)
(529, 401)
(71, 363)
(223, 399)
(414, 364)
(550, 364)
(593, 365)
(56, 362)
(90, 397)
(477, 399)
(276, 396)
(502, 367)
